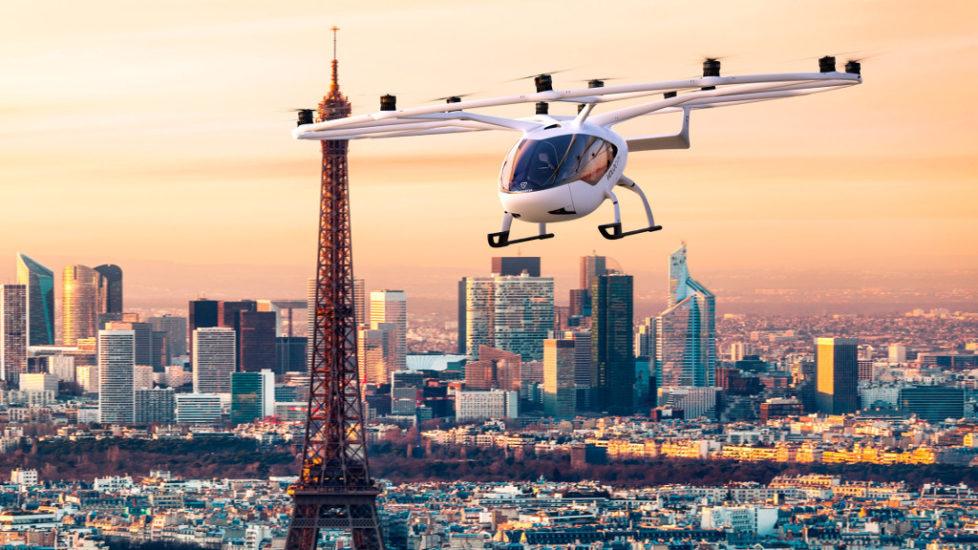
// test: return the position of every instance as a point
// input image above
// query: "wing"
(696, 93)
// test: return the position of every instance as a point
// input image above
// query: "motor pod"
(596, 83)
(711, 67)
(854, 67)
(669, 95)
(453, 99)
(304, 116)
(826, 64)
(388, 102)
(543, 82)
(543, 108)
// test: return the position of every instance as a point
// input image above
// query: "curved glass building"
(40, 300)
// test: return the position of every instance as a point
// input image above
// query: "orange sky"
(156, 136)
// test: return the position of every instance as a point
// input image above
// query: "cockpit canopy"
(538, 164)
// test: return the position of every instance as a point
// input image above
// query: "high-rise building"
(144, 339)
(256, 341)
(38, 381)
(685, 348)
(510, 313)
(213, 359)
(116, 362)
(645, 338)
(559, 387)
(461, 339)
(252, 396)
(40, 300)
(494, 369)
(198, 408)
(390, 306)
(112, 282)
(837, 375)
(229, 315)
(611, 342)
(290, 354)
(579, 302)
(591, 267)
(82, 296)
(156, 406)
(361, 309)
(13, 333)
(377, 352)
(176, 333)
(201, 313)
(516, 265)
(160, 350)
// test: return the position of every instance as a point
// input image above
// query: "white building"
(24, 478)
(112, 484)
(38, 381)
(741, 519)
(87, 377)
(897, 354)
(481, 405)
(694, 401)
(214, 359)
(198, 408)
(116, 359)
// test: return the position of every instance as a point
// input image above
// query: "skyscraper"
(144, 340)
(837, 375)
(685, 347)
(13, 333)
(201, 313)
(252, 396)
(611, 341)
(116, 366)
(511, 313)
(645, 339)
(176, 333)
(213, 359)
(516, 265)
(360, 302)
(256, 340)
(390, 306)
(40, 300)
(112, 282)
(591, 267)
(377, 350)
(82, 295)
(559, 368)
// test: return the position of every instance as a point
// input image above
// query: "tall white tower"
(116, 363)
(214, 359)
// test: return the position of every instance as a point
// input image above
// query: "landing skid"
(501, 239)
(613, 232)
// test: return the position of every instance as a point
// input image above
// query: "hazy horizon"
(157, 137)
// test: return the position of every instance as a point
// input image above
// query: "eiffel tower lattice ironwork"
(334, 490)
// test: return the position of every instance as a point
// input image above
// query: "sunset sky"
(155, 135)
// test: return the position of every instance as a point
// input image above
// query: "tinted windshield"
(545, 163)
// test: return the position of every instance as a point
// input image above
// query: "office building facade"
(837, 375)
(685, 333)
(252, 396)
(611, 342)
(116, 369)
(13, 333)
(516, 265)
(39, 281)
(83, 294)
(390, 307)
(111, 282)
(511, 313)
(559, 386)
(213, 359)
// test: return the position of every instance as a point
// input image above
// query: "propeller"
(535, 75)
(454, 98)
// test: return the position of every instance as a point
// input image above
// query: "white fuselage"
(562, 171)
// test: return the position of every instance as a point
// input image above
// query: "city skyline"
(729, 196)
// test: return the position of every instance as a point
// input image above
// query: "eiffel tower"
(334, 490)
